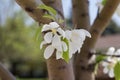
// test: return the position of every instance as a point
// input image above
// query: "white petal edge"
(61, 31)
(48, 37)
(45, 27)
(68, 34)
(56, 43)
(58, 55)
(105, 70)
(53, 25)
(111, 73)
(42, 43)
(64, 46)
(87, 34)
(48, 52)
(111, 51)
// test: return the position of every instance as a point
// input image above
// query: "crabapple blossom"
(53, 38)
(109, 64)
(63, 42)
(76, 38)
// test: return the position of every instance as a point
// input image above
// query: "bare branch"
(105, 54)
(5, 74)
(37, 14)
(30, 6)
(102, 20)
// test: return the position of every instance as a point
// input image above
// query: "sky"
(92, 10)
(66, 7)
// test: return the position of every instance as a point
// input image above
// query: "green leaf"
(49, 16)
(60, 20)
(49, 9)
(96, 69)
(104, 2)
(66, 53)
(117, 71)
(37, 34)
(66, 56)
(100, 58)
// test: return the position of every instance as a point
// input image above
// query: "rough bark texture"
(57, 69)
(81, 19)
(81, 14)
(30, 6)
(84, 70)
(5, 74)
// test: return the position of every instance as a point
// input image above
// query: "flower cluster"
(60, 41)
(111, 61)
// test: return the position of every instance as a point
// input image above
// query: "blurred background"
(19, 48)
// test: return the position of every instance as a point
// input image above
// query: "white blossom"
(108, 65)
(53, 38)
(76, 38)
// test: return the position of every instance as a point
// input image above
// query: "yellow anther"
(54, 31)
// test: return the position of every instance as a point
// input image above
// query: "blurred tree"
(18, 47)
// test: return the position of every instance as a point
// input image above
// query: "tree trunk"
(59, 69)
(5, 74)
(82, 20)
(84, 70)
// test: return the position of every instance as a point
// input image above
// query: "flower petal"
(111, 51)
(117, 52)
(48, 52)
(58, 55)
(61, 32)
(86, 33)
(111, 73)
(48, 37)
(54, 25)
(104, 64)
(77, 35)
(42, 43)
(64, 45)
(105, 70)
(72, 48)
(45, 27)
(68, 34)
(56, 43)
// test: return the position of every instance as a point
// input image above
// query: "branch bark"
(102, 20)
(57, 69)
(81, 64)
(81, 13)
(5, 74)
(31, 8)
(82, 20)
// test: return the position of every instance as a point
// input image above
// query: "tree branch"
(5, 74)
(102, 20)
(96, 29)
(55, 4)
(30, 6)
(81, 13)
(37, 14)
